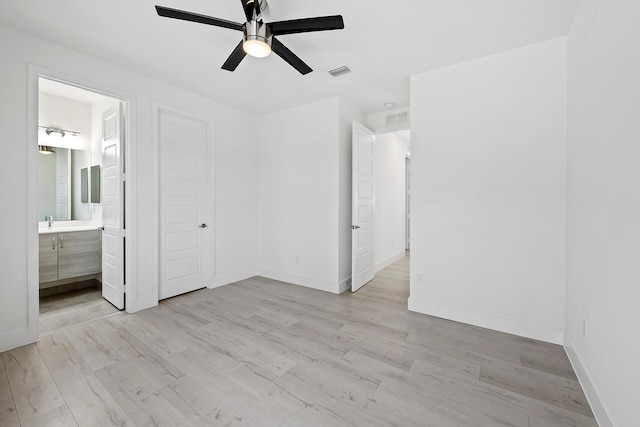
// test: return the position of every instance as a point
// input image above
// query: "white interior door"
(185, 235)
(112, 208)
(362, 243)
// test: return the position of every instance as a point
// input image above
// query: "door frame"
(33, 88)
(407, 202)
(157, 108)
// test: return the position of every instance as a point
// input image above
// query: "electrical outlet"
(419, 277)
(585, 330)
(297, 259)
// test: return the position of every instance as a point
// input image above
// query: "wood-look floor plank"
(241, 398)
(554, 363)
(567, 395)
(92, 347)
(60, 319)
(86, 397)
(247, 352)
(60, 356)
(198, 406)
(58, 417)
(156, 370)
(142, 403)
(33, 389)
(8, 414)
(151, 336)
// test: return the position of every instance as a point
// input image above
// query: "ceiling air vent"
(403, 117)
(391, 119)
(340, 71)
(397, 119)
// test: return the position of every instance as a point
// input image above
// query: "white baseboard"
(598, 408)
(389, 260)
(13, 339)
(308, 282)
(344, 285)
(500, 323)
(236, 276)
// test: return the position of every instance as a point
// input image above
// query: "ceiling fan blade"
(234, 59)
(306, 25)
(195, 17)
(283, 52)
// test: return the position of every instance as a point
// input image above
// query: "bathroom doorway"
(81, 187)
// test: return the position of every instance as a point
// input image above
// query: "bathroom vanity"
(69, 253)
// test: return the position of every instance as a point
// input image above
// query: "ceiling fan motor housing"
(258, 31)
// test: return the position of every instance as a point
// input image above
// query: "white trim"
(33, 276)
(156, 108)
(16, 338)
(34, 72)
(236, 276)
(496, 322)
(307, 282)
(389, 260)
(597, 406)
(344, 285)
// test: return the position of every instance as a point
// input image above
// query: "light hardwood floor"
(267, 353)
(72, 308)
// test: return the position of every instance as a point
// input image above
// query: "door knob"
(203, 225)
(355, 227)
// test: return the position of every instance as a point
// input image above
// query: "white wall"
(390, 190)
(67, 114)
(488, 176)
(297, 197)
(235, 169)
(604, 207)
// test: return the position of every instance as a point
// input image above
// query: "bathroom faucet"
(49, 218)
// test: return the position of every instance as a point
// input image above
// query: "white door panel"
(112, 208)
(363, 193)
(185, 246)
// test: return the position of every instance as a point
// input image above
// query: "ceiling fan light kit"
(258, 36)
(257, 39)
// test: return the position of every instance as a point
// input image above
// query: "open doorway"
(391, 191)
(80, 191)
(380, 230)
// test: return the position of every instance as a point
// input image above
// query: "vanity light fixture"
(62, 132)
(45, 149)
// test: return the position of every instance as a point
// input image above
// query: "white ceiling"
(384, 42)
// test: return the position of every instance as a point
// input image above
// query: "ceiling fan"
(259, 37)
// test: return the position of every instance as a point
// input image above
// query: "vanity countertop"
(66, 229)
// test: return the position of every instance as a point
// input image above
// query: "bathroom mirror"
(63, 184)
(84, 185)
(95, 184)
